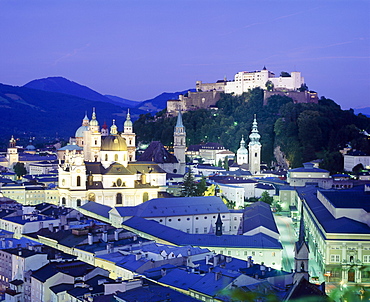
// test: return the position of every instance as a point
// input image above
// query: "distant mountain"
(365, 111)
(122, 102)
(160, 102)
(65, 86)
(26, 112)
(62, 85)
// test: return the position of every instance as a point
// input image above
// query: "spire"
(242, 142)
(254, 136)
(302, 233)
(12, 142)
(85, 121)
(264, 68)
(128, 123)
(93, 121)
(113, 128)
(179, 120)
(219, 225)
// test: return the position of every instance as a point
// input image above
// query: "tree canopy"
(303, 131)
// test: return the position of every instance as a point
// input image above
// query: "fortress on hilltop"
(207, 94)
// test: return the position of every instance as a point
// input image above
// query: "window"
(63, 201)
(187, 230)
(96, 142)
(205, 230)
(253, 254)
(367, 258)
(196, 230)
(119, 198)
(78, 181)
(106, 157)
(245, 253)
(170, 220)
(115, 157)
(334, 258)
(78, 202)
(229, 253)
(145, 196)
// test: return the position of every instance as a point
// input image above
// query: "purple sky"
(139, 49)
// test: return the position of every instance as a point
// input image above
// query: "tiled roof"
(97, 208)
(207, 240)
(158, 154)
(326, 219)
(176, 207)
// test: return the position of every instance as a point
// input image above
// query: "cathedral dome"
(113, 143)
(80, 131)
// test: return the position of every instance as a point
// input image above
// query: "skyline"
(139, 49)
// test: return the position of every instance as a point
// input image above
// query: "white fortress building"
(245, 80)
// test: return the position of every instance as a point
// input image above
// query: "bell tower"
(130, 137)
(179, 143)
(254, 149)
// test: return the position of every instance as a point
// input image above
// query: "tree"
(303, 87)
(201, 186)
(265, 197)
(19, 170)
(189, 187)
(226, 163)
(269, 85)
(219, 164)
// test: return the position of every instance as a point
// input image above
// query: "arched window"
(115, 157)
(96, 142)
(78, 181)
(106, 157)
(63, 201)
(145, 196)
(78, 202)
(302, 266)
(96, 158)
(255, 154)
(119, 198)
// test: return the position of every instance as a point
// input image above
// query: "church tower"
(92, 140)
(104, 129)
(179, 143)
(12, 153)
(301, 255)
(254, 149)
(242, 153)
(129, 136)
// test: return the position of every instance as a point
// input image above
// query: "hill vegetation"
(303, 132)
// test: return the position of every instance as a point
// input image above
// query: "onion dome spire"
(94, 121)
(85, 121)
(128, 122)
(113, 128)
(254, 136)
(12, 142)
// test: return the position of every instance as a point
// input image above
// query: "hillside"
(62, 85)
(31, 112)
(303, 132)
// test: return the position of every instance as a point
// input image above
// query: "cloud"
(70, 54)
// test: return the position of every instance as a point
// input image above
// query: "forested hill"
(303, 132)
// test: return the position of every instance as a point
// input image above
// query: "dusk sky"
(139, 49)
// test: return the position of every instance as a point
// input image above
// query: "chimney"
(218, 276)
(116, 234)
(90, 238)
(51, 227)
(163, 272)
(105, 236)
(228, 259)
(215, 261)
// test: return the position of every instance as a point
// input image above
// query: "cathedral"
(249, 160)
(99, 165)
